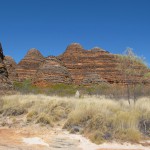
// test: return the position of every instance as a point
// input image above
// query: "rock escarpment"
(11, 68)
(51, 71)
(28, 66)
(75, 66)
(5, 84)
(89, 66)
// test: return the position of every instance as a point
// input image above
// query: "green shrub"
(62, 90)
(26, 87)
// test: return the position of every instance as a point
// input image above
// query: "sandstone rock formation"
(28, 66)
(97, 65)
(51, 71)
(76, 65)
(5, 84)
(11, 68)
(85, 66)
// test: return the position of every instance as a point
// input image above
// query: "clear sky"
(51, 25)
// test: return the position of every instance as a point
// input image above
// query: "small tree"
(147, 77)
(132, 69)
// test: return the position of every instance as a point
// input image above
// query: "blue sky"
(51, 25)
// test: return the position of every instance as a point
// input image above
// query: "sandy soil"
(23, 136)
(35, 137)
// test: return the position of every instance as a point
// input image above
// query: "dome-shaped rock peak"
(34, 53)
(9, 60)
(28, 66)
(73, 49)
(51, 71)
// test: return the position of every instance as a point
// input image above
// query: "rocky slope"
(28, 66)
(89, 66)
(76, 65)
(11, 68)
(96, 66)
(5, 84)
(51, 71)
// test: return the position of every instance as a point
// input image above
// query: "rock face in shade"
(11, 68)
(5, 84)
(52, 71)
(85, 65)
(28, 66)
(92, 78)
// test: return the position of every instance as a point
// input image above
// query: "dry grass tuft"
(97, 118)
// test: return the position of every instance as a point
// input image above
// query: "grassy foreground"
(97, 118)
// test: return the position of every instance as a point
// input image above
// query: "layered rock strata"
(28, 66)
(76, 65)
(92, 78)
(52, 71)
(95, 64)
(11, 68)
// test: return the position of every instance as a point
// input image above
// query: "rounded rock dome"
(33, 51)
(75, 46)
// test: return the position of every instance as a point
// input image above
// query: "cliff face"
(89, 66)
(5, 84)
(28, 66)
(51, 71)
(11, 68)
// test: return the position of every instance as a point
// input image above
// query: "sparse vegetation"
(113, 91)
(44, 119)
(132, 70)
(98, 118)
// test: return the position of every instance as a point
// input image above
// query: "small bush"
(130, 135)
(44, 119)
(31, 115)
(144, 126)
(1, 105)
(125, 120)
(26, 87)
(96, 137)
(14, 111)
